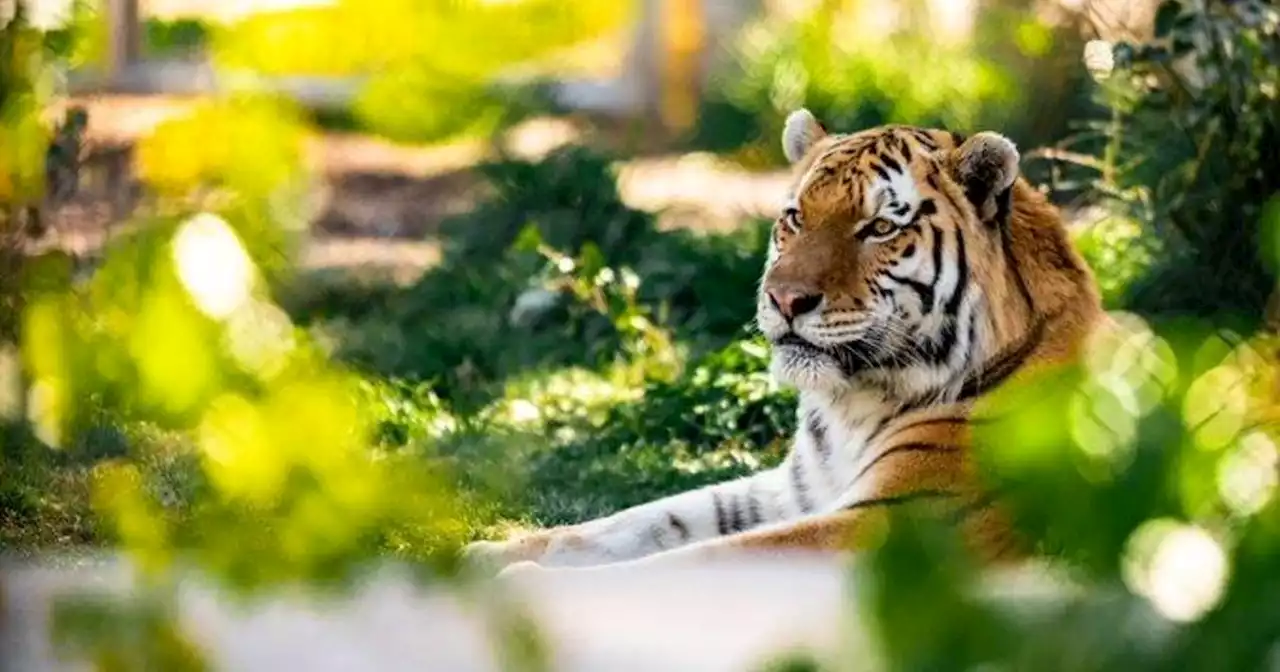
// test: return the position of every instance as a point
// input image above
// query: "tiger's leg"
(859, 528)
(659, 526)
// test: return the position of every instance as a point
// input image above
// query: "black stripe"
(981, 503)
(736, 522)
(924, 138)
(679, 526)
(1006, 247)
(891, 163)
(946, 419)
(972, 346)
(915, 447)
(881, 423)
(937, 266)
(924, 291)
(1004, 206)
(797, 484)
(754, 515)
(1004, 364)
(895, 500)
(962, 276)
(938, 351)
(880, 170)
(722, 523)
(819, 434)
(926, 209)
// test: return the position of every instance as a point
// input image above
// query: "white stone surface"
(722, 616)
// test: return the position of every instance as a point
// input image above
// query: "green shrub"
(1190, 152)
(1008, 75)
(497, 305)
(1147, 473)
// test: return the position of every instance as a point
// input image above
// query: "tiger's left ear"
(801, 132)
(986, 166)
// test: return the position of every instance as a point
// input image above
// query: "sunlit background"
(294, 288)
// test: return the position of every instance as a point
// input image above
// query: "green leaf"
(1166, 15)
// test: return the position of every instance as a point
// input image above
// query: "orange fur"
(1062, 293)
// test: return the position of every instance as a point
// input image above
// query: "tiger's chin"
(807, 369)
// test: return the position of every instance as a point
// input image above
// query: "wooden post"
(124, 41)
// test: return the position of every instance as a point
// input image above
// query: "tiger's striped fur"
(911, 272)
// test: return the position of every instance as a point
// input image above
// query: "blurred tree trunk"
(124, 44)
(683, 34)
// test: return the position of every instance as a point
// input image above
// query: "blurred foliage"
(175, 37)
(428, 70)
(1187, 153)
(838, 59)
(1145, 475)
(134, 633)
(1147, 471)
(1115, 248)
(81, 38)
(81, 41)
(177, 328)
(497, 306)
(22, 146)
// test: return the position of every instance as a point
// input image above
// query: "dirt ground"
(380, 203)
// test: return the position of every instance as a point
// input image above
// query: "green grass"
(640, 379)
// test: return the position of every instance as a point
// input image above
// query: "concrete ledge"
(723, 616)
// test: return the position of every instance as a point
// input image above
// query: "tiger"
(911, 272)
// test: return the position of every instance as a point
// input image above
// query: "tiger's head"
(897, 261)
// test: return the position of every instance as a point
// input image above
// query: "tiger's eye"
(882, 227)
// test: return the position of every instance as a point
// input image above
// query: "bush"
(1190, 152)
(1147, 471)
(496, 306)
(854, 77)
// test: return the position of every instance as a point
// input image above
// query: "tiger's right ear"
(986, 166)
(801, 132)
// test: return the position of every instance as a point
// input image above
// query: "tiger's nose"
(793, 304)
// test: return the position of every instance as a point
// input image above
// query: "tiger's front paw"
(490, 557)
(521, 570)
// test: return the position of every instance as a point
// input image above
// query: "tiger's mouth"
(851, 357)
(793, 339)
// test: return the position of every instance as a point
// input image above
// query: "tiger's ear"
(986, 166)
(801, 132)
